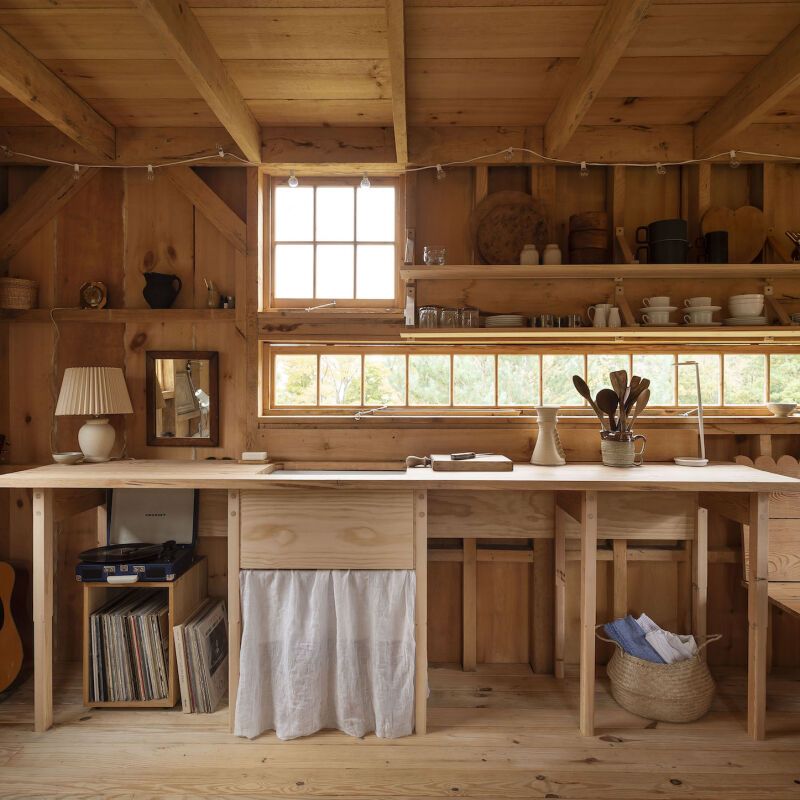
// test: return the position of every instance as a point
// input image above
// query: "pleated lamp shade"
(93, 391)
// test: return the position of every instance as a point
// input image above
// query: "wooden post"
(700, 578)
(620, 578)
(234, 603)
(560, 593)
(588, 609)
(757, 615)
(421, 611)
(43, 536)
(469, 590)
(541, 608)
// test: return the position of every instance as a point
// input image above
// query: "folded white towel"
(671, 647)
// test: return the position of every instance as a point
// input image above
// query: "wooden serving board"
(443, 463)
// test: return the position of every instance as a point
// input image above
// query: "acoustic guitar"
(10, 643)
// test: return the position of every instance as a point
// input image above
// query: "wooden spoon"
(619, 380)
(644, 399)
(583, 390)
(608, 401)
(644, 383)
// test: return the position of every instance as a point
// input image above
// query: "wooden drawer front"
(327, 529)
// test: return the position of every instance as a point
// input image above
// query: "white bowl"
(72, 457)
(781, 409)
(746, 308)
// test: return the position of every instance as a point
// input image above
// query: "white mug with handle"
(598, 314)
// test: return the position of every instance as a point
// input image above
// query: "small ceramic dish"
(73, 457)
(781, 409)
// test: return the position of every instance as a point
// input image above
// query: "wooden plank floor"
(497, 733)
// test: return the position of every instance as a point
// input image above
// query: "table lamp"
(94, 392)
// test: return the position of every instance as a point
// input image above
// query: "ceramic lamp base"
(96, 439)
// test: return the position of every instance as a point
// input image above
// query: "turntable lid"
(152, 515)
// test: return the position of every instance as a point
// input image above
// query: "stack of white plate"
(746, 321)
(506, 321)
(746, 309)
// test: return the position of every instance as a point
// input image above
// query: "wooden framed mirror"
(182, 398)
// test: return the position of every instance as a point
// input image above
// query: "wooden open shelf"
(598, 271)
(123, 315)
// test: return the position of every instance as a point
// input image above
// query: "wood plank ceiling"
(468, 62)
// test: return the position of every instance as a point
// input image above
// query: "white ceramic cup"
(697, 301)
(656, 302)
(598, 314)
(656, 317)
(698, 317)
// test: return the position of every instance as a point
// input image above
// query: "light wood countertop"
(230, 475)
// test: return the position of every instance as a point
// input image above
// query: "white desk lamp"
(94, 392)
(693, 461)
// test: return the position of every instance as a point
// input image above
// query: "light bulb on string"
(734, 160)
(365, 184)
(440, 173)
(660, 169)
(509, 153)
(151, 173)
(292, 182)
(76, 171)
(584, 170)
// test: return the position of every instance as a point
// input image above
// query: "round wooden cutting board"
(747, 230)
(505, 221)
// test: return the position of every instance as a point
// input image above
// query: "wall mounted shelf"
(598, 271)
(122, 315)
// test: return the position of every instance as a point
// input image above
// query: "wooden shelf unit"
(471, 272)
(185, 594)
(123, 315)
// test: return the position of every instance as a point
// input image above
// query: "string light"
(440, 173)
(584, 170)
(151, 175)
(509, 154)
(76, 171)
(365, 184)
(734, 161)
(660, 169)
(292, 182)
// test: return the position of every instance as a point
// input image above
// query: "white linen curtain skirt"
(326, 649)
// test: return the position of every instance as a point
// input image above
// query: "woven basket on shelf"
(679, 692)
(18, 294)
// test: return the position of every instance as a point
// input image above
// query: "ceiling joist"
(765, 85)
(609, 39)
(43, 200)
(395, 32)
(32, 83)
(187, 41)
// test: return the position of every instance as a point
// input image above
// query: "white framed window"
(334, 240)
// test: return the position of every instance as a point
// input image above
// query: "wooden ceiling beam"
(32, 83)
(43, 200)
(211, 205)
(182, 34)
(396, 35)
(765, 85)
(608, 41)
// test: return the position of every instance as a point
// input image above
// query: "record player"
(151, 536)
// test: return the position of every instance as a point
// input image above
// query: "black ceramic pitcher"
(160, 290)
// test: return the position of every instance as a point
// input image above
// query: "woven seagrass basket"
(18, 294)
(679, 692)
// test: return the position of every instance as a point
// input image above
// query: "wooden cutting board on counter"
(443, 463)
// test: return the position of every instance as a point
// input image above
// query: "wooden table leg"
(421, 611)
(588, 609)
(234, 604)
(757, 615)
(43, 535)
(560, 600)
(700, 578)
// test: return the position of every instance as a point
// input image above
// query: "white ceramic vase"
(548, 451)
(529, 255)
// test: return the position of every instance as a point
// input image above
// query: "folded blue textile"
(628, 634)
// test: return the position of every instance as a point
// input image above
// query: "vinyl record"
(120, 553)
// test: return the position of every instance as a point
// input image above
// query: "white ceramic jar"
(529, 255)
(552, 254)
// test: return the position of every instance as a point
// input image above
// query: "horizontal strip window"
(413, 380)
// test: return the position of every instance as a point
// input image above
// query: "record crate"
(184, 595)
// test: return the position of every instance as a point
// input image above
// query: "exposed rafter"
(765, 85)
(610, 37)
(396, 35)
(45, 198)
(32, 83)
(187, 41)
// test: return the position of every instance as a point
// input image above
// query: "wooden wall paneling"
(215, 260)
(469, 592)
(576, 194)
(696, 179)
(543, 187)
(445, 615)
(615, 208)
(447, 205)
(735, 187)
(502, 179)
(503, 609)
(542, 607)
(230, 183)
(249, 301)
(159, 237)
(89, 246)
(657, 197)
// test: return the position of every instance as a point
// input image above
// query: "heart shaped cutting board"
(747, 230)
